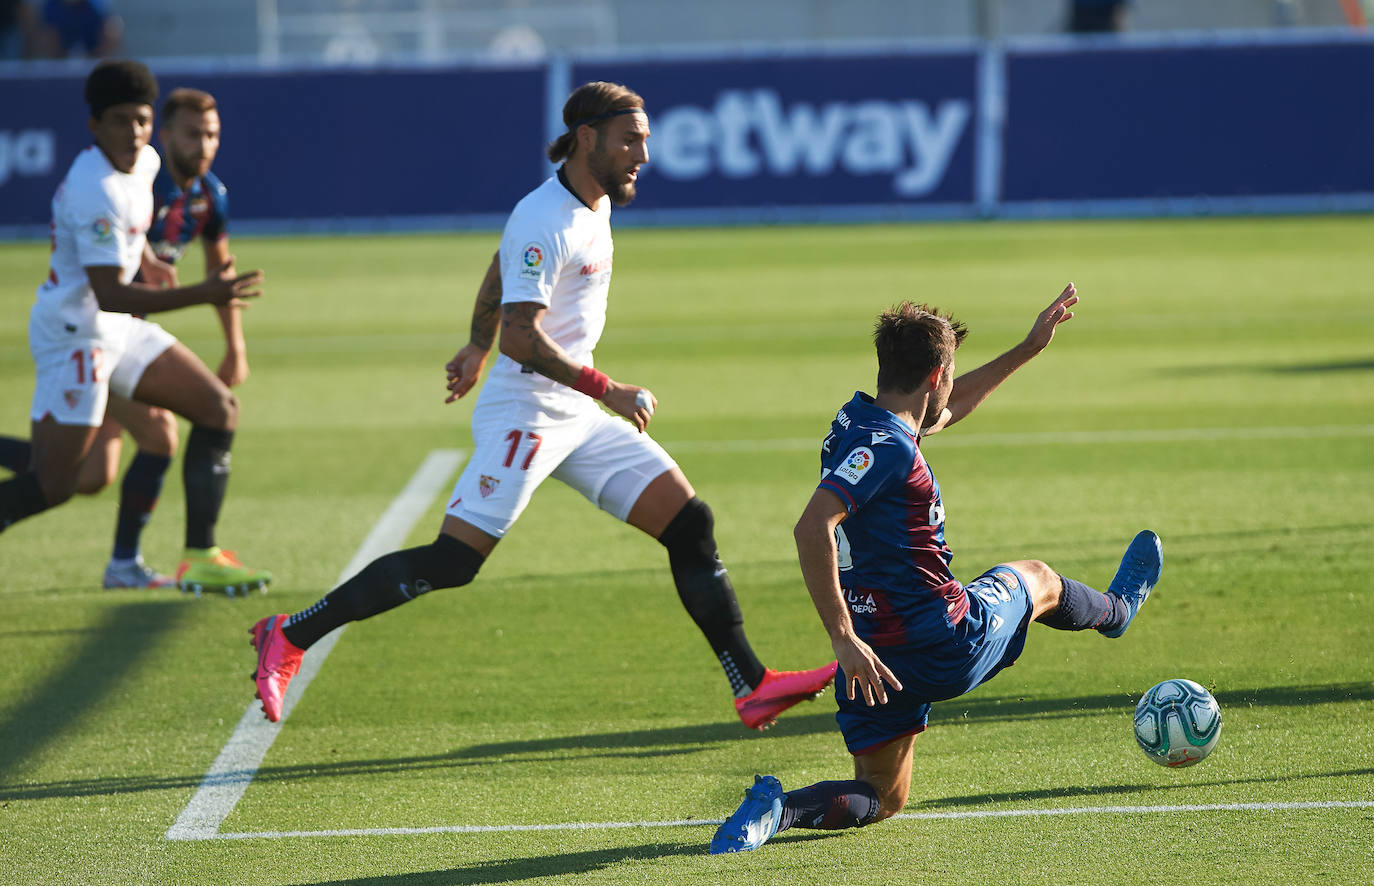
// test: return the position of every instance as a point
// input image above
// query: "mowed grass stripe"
(237, 763)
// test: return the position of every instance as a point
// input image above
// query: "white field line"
(953, 438)
(697, 822)
(237, 763)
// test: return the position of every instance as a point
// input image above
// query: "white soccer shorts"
(76, 372)
(517, 445)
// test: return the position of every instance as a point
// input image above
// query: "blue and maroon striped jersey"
(180, 216)
(894, 563)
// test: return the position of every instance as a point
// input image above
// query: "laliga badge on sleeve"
(855, 465)
(532, 261)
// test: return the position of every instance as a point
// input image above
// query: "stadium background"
(853, 111)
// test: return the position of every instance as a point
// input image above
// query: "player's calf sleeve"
(706, 592)
(386, 583)
(138, 495)
(205, 471)
(1080, 608)
(20, 497)
(830, 806)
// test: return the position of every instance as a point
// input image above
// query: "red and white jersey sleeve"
(555, 252)
(100, 218)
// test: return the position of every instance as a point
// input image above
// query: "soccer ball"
(1177, 723)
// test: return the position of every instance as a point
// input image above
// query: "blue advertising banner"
(303, 145)
(804, 131)
(1222, 121)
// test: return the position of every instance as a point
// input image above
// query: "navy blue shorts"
(989, 638)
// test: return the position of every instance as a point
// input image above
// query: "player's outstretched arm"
(221, 288)
(466, 366)
(524, 340)
(815, 535)
(972, 388)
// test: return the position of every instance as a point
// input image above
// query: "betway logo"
(750, 133)
(26, 152)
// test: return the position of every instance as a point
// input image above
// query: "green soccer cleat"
(219, 571)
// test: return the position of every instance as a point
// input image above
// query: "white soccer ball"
(1177, 723)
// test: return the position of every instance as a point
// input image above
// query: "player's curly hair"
(119, 82)
(589, 102)
(912, 340)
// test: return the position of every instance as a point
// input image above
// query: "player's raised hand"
(864, 672)
(632, 402)
(464, 370)
(226, 287)
(1058, 312)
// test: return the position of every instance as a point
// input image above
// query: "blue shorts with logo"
(989, 638)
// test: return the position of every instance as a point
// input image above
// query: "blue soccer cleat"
(1137, 575)
(755, 821)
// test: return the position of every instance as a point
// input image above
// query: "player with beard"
(189, 202)
(538, 417)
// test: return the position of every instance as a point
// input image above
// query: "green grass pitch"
(1216, 385)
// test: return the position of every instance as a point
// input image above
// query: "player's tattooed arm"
(524, 340)
(486, 313)
(466, 366)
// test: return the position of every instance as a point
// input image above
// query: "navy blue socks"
(1081, 607)
(830, 806)
(137, 497)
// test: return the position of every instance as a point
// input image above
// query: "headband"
(572, 127)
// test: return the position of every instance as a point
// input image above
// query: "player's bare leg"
(888, 771)
(669, 510)
(101, 464)
(154, 430)
(57, 451)
(178, 381)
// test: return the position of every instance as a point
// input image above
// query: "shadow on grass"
(967, 708)
(90, 671)
(514, 870)
(676, 741)
(1107, 790)
(1356, 365)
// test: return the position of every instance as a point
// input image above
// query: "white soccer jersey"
(100, 218)
(556, 252)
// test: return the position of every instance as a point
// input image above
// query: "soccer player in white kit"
(537, 417)
(86, 341)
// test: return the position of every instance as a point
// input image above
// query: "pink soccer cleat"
(779, 691)
(278, 661)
